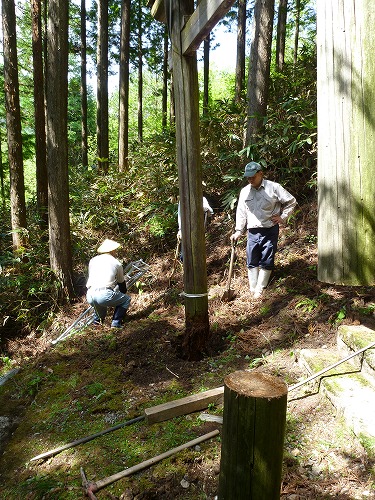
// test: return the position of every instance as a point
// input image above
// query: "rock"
(185, 484)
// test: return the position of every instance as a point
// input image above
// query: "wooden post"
(185, 82)
(187, 28)
(346, 137)
(252, 437)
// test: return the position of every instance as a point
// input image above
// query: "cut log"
(252, 436)
(182, 406)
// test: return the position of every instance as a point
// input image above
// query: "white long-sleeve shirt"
(256, 206)
(104, 271)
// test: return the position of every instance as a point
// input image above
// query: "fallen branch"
(48, 454)
(92, 487)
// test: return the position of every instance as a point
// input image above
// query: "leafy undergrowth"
(98, 378)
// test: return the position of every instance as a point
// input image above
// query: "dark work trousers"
(261, 246)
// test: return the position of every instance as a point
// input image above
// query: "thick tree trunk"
(83, 86)
(102, 87)
(259, 69)
(281, 34)
(241, 44)
(253, 436)
(39, 114)
(123, 126)
(57, 144)
(13, 122)
(185, 82)
(346, 137)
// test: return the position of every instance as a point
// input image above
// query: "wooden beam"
(157, 10)
(207, 14)
(182, 406)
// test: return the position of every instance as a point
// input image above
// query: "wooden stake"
(252, 437)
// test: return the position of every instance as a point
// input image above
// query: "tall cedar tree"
(102, 86)
(241, 44)
(140, 73)
(281, 34)
(123, 126)
(57, 144)
(83, 85)
(13, 121)
(259, 68)
(39, 113)
(206, 73)
(165, 80)
(296, 32)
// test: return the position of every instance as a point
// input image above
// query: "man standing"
(106, 285)
(262, 206)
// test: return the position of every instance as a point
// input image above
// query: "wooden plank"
(207, 14)
(182, 406)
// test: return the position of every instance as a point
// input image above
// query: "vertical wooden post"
(346, 137)
(252, 437)
(186, 94)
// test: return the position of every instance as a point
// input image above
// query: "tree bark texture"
(123, 126)
(206, 74)
(259, 68)
(140, 73)
(241, 45)
(297, 9)
(102, 87)
(252, 436)
(39, 113)
(186, 94)
(57, 144)
(13, 122)
(165, 81)
(346, 137)
(84, 86)
(281, 34)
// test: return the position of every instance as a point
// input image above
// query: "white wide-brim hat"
(108, 246)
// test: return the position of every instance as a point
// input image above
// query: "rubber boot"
(263, 279)
(118, 316)
(252, 273)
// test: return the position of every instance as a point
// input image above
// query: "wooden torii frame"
(187, 29)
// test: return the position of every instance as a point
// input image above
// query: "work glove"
(122, 287)
(179, 235)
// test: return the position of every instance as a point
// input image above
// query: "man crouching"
(106, 285)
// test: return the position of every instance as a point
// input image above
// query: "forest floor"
(101, 377)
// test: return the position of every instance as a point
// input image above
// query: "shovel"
(229, 294)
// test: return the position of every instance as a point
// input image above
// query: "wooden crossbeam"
(183, 406)
(157, 10)
(207, 14)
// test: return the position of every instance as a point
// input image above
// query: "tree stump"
(252, 437)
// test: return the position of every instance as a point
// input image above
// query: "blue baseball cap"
(251, 169)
